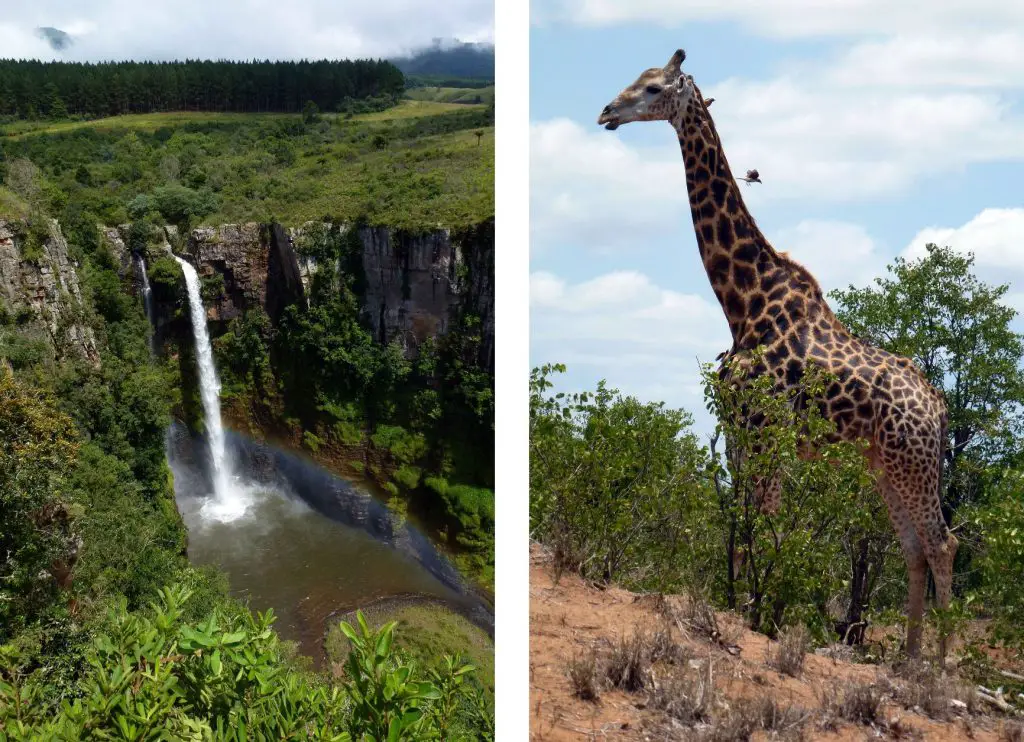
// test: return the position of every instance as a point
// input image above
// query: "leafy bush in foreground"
(156, 676)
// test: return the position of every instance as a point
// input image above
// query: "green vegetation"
(453, 94)
(428, 423)
(415, 165)
(30, 89)
(429, 632)
(90, 640)
(105, 629)
(156, 675)
(624, 491)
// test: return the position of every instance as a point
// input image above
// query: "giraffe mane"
(795, 269)
(800, 271)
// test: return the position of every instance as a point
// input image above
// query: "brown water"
(307, 543)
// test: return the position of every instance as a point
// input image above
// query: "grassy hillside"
(419, 164)
(483, 95)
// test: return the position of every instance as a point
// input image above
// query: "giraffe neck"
(736, 255)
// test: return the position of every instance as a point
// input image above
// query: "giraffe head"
(659, 94)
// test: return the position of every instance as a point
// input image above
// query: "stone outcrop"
(417, 285)
(284, 283)
(237, 255)
(414, 286)
(39, 280)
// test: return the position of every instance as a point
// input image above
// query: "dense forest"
(33, 89)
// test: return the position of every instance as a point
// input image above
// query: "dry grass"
(759, 715)
(629, 665)
(687, 699)
(919, 686)
(584, 676)
(860, 703)
(1012, 731)
(790, 651)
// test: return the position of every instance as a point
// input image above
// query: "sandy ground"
(573, 620)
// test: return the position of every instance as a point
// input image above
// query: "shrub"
(179, 204)
(614, 483)
(790, 651)
(408, 476)
(583, 675)
(161, 675)
(404, 446)
(38, 541)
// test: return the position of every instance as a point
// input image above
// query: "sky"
(876, 129)
(237, 29)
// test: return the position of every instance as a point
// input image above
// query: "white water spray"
(229, 502)
(147, 300)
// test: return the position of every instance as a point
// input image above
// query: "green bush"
(180, 204)
(406, 447)
(226, 677)
(1000, 524)
(615, 485)
(39, 539)
(408, 476)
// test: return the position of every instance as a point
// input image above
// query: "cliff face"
(39, 285)
(416, 286)
(232, 260)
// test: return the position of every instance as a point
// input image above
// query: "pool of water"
(305, 542)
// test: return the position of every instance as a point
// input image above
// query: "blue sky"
(875, 131)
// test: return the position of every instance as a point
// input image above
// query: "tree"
(615, 484)
(38, 544)
(786, 565)
(310, 112)
(958, 330)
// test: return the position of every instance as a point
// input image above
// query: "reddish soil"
(572, 620)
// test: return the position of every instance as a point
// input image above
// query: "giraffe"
(772, 302)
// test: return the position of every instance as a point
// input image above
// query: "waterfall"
(147, 301)
(229, 501)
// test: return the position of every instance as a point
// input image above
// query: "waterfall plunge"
(229, 501)
(147, 301)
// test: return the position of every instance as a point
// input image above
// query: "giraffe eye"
(654, 89)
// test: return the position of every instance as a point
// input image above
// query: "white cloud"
(994, 236)
(788, 18)
(647, 341)
(626, 312)
(810, 139)
(965, 59)
(239, 29)
(592, 188)
(836, 253)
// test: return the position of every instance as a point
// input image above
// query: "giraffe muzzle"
(608, 118)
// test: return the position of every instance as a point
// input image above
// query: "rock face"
(237, 255)
(284, 284)
(416, 285)
(38, 280)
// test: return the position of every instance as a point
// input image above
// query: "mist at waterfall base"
(307, 543)
(289, 534)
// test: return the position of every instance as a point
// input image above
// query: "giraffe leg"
(920, 497)
(917, 562)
